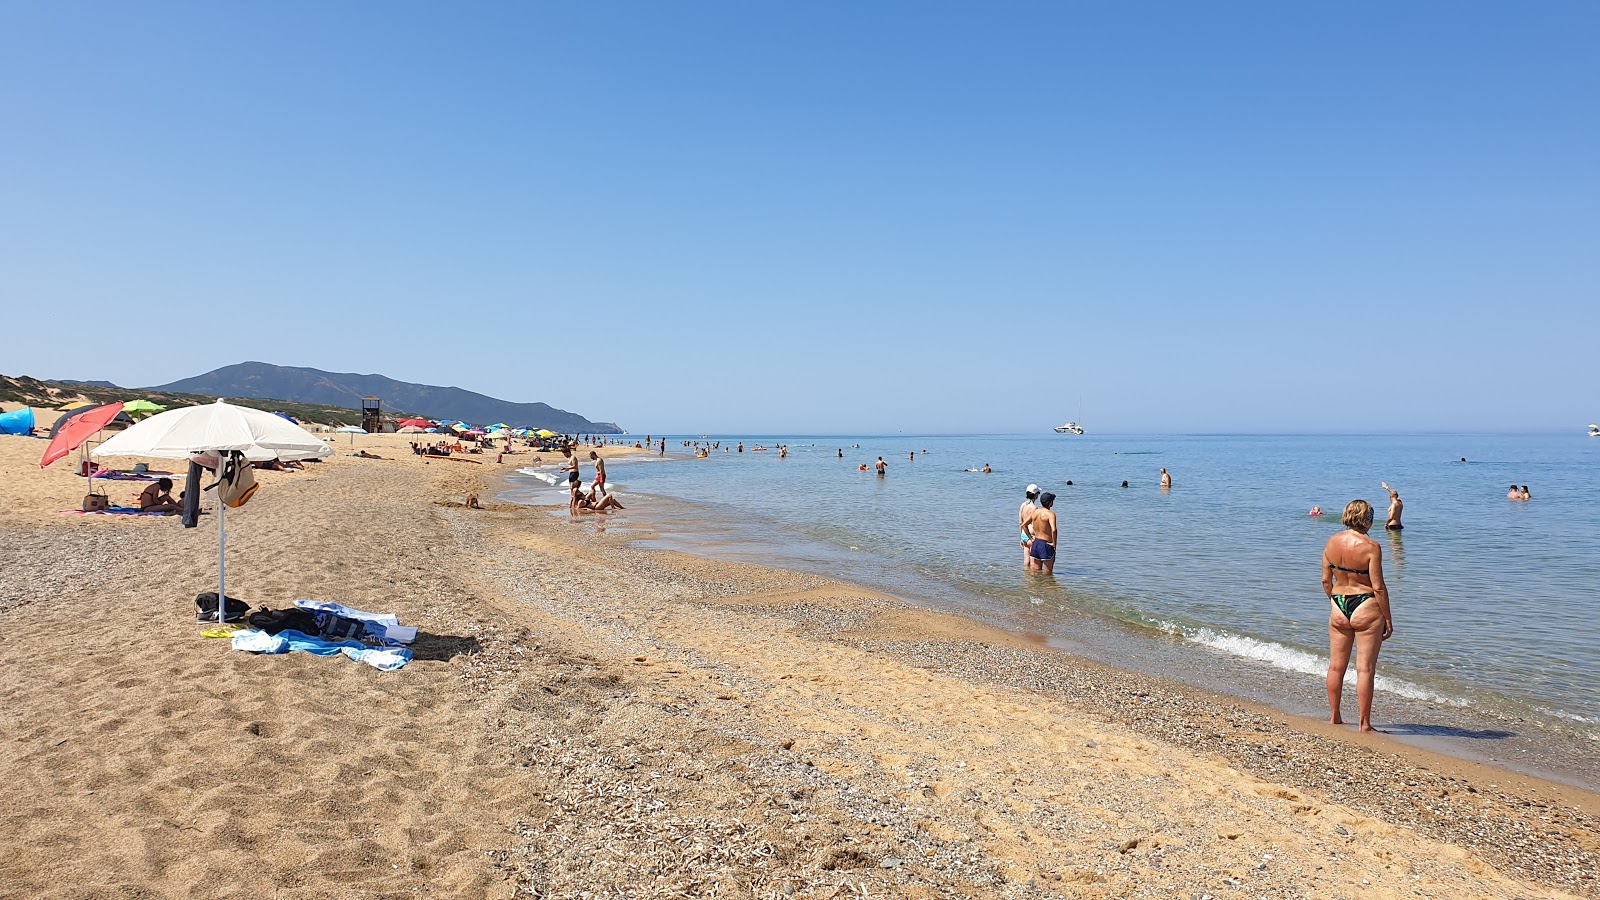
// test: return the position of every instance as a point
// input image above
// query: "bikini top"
(1351, 571)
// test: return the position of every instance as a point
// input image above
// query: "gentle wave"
(1294, 660)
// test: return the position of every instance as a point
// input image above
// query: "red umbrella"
(78, 429)
(420, 423)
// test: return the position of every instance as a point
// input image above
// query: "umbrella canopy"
(409, 429)
(285, 415)
(77, 428)
(545, 433)
(141, 408)
(415, 423)
(76, 404)
(64, 418)
(351, 429)
(176, 433)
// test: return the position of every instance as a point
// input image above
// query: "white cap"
(1032, 489)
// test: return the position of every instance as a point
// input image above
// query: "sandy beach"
(586, 716)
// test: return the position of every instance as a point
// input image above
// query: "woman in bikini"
(1352, 577)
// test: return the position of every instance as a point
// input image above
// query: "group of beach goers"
(1359, 620)
(598, 499)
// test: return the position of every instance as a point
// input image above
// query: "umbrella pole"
(222, 546)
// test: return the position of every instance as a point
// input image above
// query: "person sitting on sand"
(157, 498)
(1352, 578)
(472, 502)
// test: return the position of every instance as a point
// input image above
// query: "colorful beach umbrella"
(138, 409)
(76, 404)
(415, 423)
(545, 433)
(71, 434)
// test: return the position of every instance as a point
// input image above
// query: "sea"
(1215, 582)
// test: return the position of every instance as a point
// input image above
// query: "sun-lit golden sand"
(586, 714)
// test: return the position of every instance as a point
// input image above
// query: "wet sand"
(586, 714)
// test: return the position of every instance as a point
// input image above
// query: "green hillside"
(51, 394)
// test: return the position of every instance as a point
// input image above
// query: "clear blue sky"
(823, 217)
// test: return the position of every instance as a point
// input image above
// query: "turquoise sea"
(1497, 634)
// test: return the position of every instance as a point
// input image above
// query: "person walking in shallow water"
(1352, 579)
(1041, 530)
(1166, 480)
(1028, 506)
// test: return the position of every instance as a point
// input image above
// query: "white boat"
(1069, 428)
(1594, 430)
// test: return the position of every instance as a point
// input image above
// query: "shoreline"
(1512, 739)
(586, 715)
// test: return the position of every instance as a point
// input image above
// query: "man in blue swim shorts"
(1041, 529)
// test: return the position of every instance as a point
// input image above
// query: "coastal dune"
(587, 714)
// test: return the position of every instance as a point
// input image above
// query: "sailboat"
(1072, 427)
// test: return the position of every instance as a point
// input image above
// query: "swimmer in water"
(1395, 506)
(1315, 511)
(987, 470)
(883, 467)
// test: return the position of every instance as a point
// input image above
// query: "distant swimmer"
(841, 453)
(861, 468)
(1041, 531)
(1395, 506)
(883, 467)
(986, 469)
(1023, 513)
(1166, 480)
(1124, 482)
(1463, 459)
(1514, 494)
(783, 452)
(912, 456)
(741, 446)
(1525, 494)
(1315, 511)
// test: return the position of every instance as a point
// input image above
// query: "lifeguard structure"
(371, 415)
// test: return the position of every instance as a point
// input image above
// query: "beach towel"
(384, 659)
(114, 511)
(388, 624)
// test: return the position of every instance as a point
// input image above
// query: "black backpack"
(207, 605)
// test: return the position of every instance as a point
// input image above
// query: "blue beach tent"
(19, 422)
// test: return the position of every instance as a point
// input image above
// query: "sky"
(823, 217)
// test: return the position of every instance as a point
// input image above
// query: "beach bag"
(207, 605)
(93, 502)
(236, 482)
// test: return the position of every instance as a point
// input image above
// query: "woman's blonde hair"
(1358, 515)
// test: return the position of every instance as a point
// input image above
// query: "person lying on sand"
(365, 455)
(158, 498)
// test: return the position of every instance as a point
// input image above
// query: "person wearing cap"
(1041, 529)
(1028, 506)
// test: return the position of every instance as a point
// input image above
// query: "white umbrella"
(352, 430)
(221, 426)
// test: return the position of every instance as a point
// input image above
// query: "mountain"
(259, 379)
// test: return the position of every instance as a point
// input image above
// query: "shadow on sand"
(1415, 730)
(442, 647)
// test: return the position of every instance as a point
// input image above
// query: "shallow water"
(1491, 597)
